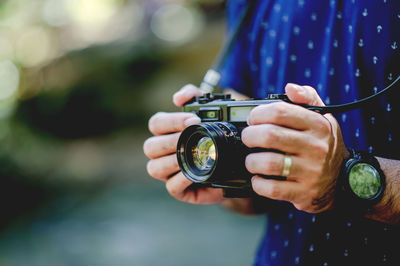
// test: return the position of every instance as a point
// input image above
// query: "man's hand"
(161, 150)
(313, 142)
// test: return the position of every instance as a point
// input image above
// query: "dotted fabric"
(346, 50)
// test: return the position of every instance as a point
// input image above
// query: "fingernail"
(192, 121)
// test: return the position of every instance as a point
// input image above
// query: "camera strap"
(212, 77)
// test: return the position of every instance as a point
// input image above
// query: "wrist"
(388, 209)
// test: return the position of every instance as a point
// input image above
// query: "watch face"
(364, 180)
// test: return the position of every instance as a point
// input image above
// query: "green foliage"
(108, 96)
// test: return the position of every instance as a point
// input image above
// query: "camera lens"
(209, 150)
(204, 154)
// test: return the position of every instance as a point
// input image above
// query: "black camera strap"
(212, 78)
(353, 105)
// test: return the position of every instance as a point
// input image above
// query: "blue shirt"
(346, 50)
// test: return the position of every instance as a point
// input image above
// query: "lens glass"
(364, 180)
(204, 154)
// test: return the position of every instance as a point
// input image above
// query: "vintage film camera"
(211, 154)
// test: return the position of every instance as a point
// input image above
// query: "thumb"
(303, 94)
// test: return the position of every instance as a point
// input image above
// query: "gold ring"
(287, 164)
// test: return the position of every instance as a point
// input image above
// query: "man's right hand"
(161, 150)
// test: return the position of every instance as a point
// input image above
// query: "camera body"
(211, 154)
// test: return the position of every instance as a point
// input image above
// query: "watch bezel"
(361, 160)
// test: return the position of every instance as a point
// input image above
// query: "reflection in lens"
(204, 154)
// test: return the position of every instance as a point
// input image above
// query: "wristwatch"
(361, 182)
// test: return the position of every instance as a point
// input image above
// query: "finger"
(178, 187)
(164, 123)
(185, 94)
(158, 146)
(272, 164)
(276, 189)
(308, 95)
(303, 94)
(163, 167)
(286, 140)
(286, 115)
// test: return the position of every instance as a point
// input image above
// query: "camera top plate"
(208, 98)
(220, 107)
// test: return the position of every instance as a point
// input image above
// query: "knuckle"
(321, 149)
(172, 142)
(270, 136)
(274, 191)
(278, 112)
(310, 89)
(324, 126)
(179, 123)
(269, 165)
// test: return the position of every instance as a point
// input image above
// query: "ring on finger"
(287, 164)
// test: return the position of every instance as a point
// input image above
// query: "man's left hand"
(313, 142)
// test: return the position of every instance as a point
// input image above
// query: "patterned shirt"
(347, 50)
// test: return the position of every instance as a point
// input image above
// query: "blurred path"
(130, 224)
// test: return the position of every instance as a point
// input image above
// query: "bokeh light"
(176, 23)
(92, 13)
(9, 83)
(9, 79)
(55, 13)
(35, 46)
(6, 46)
(79, 80)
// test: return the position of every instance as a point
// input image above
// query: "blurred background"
(78, 81)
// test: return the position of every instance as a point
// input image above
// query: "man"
(346, 50)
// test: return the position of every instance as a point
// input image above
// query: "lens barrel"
(212, 153)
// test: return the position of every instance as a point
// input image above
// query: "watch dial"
(364, 180)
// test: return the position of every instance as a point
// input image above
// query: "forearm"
(388, 209)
